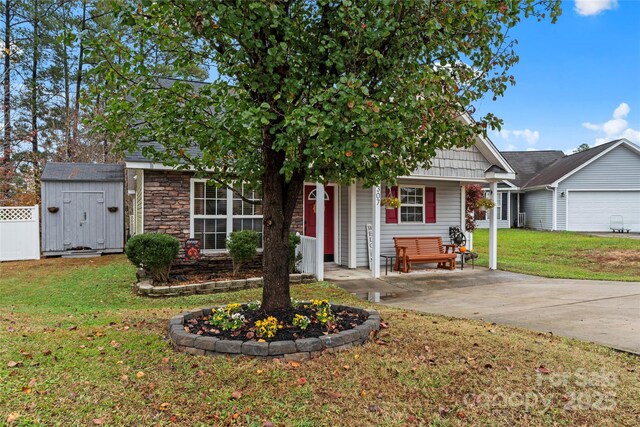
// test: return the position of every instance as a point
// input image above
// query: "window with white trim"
(209, 215)
(246, 215)
(218, 211)
(411, 204)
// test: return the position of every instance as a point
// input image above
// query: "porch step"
(82, 254)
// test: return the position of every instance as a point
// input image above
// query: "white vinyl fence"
(307, 248)
(19, 233)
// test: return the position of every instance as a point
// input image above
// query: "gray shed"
(82, 208)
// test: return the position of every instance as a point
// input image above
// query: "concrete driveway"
(603, 312)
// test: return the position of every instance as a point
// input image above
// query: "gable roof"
(82, 172)
(528, 163)
(569, 164)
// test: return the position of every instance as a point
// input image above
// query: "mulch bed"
(344, 320)
(185, 279)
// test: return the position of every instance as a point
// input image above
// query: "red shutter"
(429, 205)
(392, 214)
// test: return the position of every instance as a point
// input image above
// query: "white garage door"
(592, 210)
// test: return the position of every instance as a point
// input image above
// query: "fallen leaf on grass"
(510, 368)
(99, 421)
(259, 371)
(115, 344)
(346, 367)
(334, 395)
(302, 380)
(236, 395)
(140, 374)
(26, 390)
(165, 360)
(164, 406)
(356, 356)
(294, 364)
(13, 417)
(46, 353)
(542, 370)
(268, 424)
(33, 382)
(72, 328)
(26, 355)
(14, 364)
(374, 408)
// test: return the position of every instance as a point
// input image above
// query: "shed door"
(592, 210)
(84, 214)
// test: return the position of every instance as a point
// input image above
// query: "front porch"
(354, 232)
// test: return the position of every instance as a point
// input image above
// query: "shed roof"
(82, 172)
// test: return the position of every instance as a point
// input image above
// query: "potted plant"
(484, 204)
(390, 202)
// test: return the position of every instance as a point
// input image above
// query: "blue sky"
(578, 81)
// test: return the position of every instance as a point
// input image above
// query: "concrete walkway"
(603, 312)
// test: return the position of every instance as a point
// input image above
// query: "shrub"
(294, 260)
(154, 253)
(242, 247)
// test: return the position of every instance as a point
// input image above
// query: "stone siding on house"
(167, 210)
(166, 203)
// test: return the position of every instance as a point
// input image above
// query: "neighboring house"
(175, 202)
(526, 164)
(585, 191)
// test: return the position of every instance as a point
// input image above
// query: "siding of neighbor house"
(538, 205)
(457, 163)
(619, 169)
(502, 223)
(52, 223)
(448, 199)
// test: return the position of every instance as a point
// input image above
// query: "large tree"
(307, 90)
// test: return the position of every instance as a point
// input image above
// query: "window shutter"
(429, 205)
(392, 214)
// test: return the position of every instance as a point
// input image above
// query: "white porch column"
(375, 268)
(319, 231)
(493, 228)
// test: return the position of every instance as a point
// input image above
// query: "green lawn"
(89, 352)
(563, 254)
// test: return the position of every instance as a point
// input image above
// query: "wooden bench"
(423, 249)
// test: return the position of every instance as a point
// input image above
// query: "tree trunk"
(76, 112)
(7, 84)
(279, 199)
(67, 103)
(34, 83)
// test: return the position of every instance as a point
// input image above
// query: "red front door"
(310, 217)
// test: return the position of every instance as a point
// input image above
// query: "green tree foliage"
(581, 148)
(242, 247)
(308, 90)
(154, 253)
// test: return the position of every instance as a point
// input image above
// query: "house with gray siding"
(353, 228)
(594, 190)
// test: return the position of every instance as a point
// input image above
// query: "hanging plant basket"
(53, 209)
(113, 209)
(484, 204)
(390, 202)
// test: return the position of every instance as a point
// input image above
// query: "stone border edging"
(290, 350)
(145, 287)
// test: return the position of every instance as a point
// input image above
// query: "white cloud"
(512, 136)
(616, 128)
(594, 7)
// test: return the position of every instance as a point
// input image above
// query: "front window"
(246, 215)
(210, 215)
(217, 212)
(412, 204)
